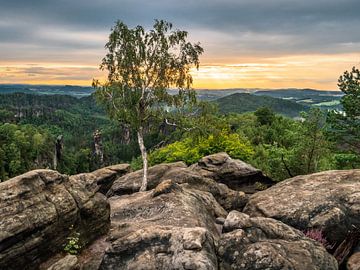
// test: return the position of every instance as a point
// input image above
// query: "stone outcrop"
(179, 173)
(214, 174)
(264, 243)
(171, 227)
(329, 201)
(234, 173)
(131, 182)
(37, 210)
(105, 177)
(181, 222)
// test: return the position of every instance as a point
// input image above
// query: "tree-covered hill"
(329, 100)
(72, 90)
(51, 116)
(243, 102)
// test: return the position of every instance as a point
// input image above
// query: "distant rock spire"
(98, 147)
(59, 144)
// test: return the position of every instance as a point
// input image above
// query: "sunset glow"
(301, 44)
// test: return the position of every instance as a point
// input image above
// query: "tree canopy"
(142, 66)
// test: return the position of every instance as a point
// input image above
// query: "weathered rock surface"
(211, 174)
(181, 223)
(354, 262)
(69, 262)
(37, 210)
(170, 227)
(235, 173)
(328, 200)
(264, 243)
(105, 177)
(131, 182)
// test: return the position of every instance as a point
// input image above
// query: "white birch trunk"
(144, 158)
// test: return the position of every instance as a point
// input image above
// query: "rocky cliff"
(210, 215)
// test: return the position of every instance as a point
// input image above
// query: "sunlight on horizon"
(301, 71)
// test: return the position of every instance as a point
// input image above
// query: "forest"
(279, 145)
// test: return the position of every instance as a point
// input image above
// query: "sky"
(247, 43)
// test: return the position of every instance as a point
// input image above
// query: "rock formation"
(170, 227)
(264, 243)
(37, 210)
(59, 145)
(234, 173)
(329, 201)
(98, 147)
(186, 220)
(211, 174)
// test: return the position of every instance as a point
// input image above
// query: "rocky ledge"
(206, 216)
(40, 209)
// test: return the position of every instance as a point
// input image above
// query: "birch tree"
(142, 66)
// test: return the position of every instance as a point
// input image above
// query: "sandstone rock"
(264, 243)
(172, 230)
(166, 186)
(354, 262)
(105, 177)
(179, 173)
(328, 200)
(235, 173)
(69, 262)
(37, 210)
(131, 182)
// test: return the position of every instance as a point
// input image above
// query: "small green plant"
(73, 245)
(260, 186)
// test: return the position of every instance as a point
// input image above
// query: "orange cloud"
(300, 71)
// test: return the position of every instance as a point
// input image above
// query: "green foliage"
(73, 245)
(23, 148)
(344, 127)
(286, 147)
(265, 116)
(75, 119)
(142, 66)
(349, 84)
(191, 151)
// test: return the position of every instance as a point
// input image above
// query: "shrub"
(73, 245)
(190, 151)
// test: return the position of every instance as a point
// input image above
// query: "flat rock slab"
(170, 227)
(265, 243)
(329, 201)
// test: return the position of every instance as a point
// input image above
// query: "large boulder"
(170, 227)
(329, 201)
(264, 243)
(234, 173)
(105, 177)
(131, 182)
(38, 210)
(181, 174)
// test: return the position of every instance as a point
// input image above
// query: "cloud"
(258, 25)
(231, 31)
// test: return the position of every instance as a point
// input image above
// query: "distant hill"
(244, 102)
(310, 97)
(71, 90)
(307, 97)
